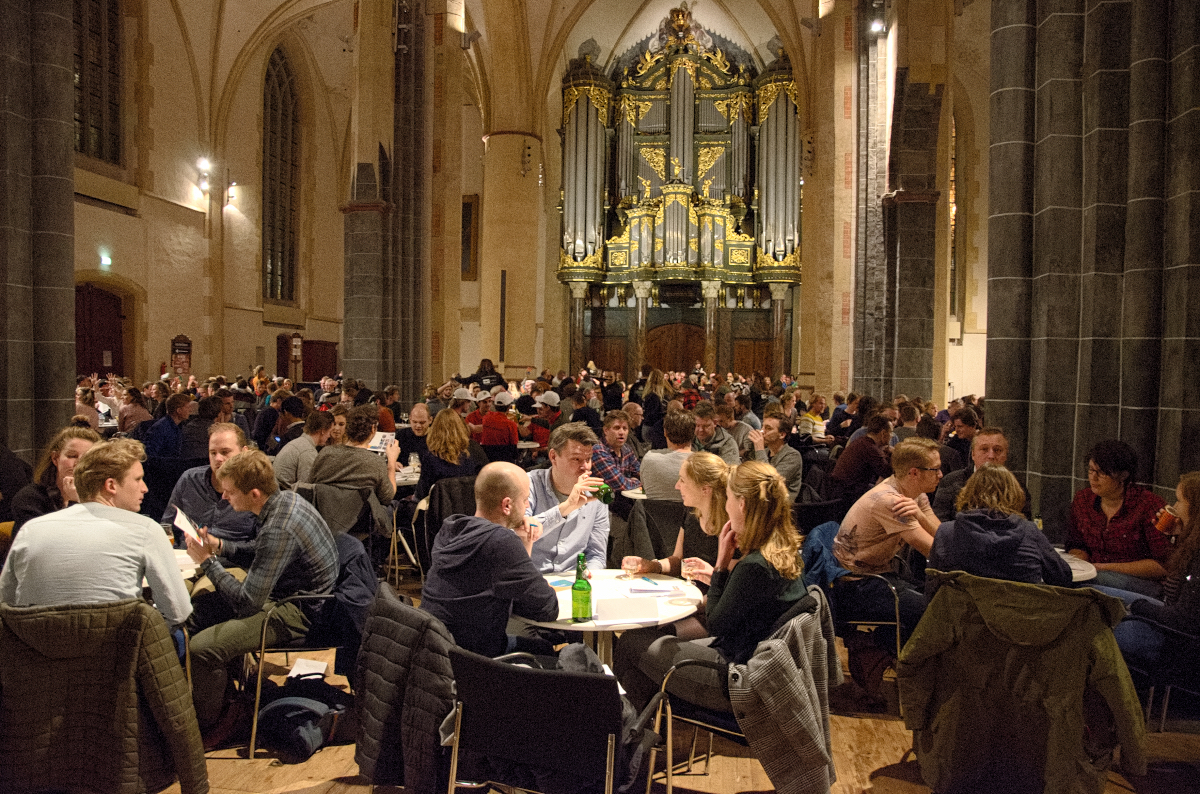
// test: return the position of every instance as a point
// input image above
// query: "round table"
(407, 476)
(528, 445)
(637, 493)
(1081, 570)
(605, 584)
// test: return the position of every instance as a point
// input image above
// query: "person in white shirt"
(101, 549)
(660, 467)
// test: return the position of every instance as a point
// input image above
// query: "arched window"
(281, 177)
(98, 79)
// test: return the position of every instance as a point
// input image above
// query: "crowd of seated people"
(733, 450)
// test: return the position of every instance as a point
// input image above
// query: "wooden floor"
(869, 755)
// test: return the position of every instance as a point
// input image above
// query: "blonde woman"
(990, 537)
(447, 453)
(743, 602)
(703, 478)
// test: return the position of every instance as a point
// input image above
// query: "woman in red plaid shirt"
(1112, 523)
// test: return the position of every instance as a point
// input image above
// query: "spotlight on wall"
(105, 261)
(877, 26)
(231, 193)
(204, 167)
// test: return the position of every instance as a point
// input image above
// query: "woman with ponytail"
(743, 601)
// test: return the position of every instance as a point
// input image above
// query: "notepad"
(645, 586)
(308, 667)
(186, 526)
(381, 441)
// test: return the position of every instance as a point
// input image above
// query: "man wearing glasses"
(894, 512)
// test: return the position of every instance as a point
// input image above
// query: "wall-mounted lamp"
(204, 167)
(876, 25)
(231, 191)
(105, 261)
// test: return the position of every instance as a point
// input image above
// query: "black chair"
(501, 452)
(161, 474)
(568, 733)
(808, 515)
(1178, 667)
(339, 625)
(453, 495)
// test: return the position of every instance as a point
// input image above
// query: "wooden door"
(752, 355)
(608, 352)
(283, 355)
(320, 359)
(99, 331)
(675, 347)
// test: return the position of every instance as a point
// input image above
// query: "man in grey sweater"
(295, 460)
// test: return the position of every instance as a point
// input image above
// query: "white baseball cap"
(549, 398)
(462, 394)
(504, 398)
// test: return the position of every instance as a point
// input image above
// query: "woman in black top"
(743, 601)
(447, 453)
(53, 486)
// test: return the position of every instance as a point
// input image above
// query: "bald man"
(481, 571)
(412, 438)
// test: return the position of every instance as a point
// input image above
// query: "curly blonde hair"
(447, 437)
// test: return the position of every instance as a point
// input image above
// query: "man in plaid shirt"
(612, 460)
(294, 554)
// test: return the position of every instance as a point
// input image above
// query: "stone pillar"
(641, 290)
(409, 224)
(911, 258)
(37, 223)
(779, 293)
(1179, 412)
(712, 291)
(1010, 224)
(579, 293)
(362, 328)
(1141, 310)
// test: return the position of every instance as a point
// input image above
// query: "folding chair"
(1178, 667)
(570, 727)
(328, 631)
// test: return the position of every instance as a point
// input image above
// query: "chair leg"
(692, 752)
(1162, 720)
(658, 713)
(708, 756)
(670, 750)
(454, 747)
(1149, 703)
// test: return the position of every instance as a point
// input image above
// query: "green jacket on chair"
(1011, 686)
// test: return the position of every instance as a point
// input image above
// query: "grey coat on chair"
(781, 701)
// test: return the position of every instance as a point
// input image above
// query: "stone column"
(712, 291)
(579, 293)
(641, 290)
(1141, 311)
(362, 356)
(37, 223)
(779, 293)
(1010, 224)
(1179, 413)
(911, 258)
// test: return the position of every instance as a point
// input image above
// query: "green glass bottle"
(581, 593)
(605, 493)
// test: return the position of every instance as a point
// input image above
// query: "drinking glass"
(629, 566)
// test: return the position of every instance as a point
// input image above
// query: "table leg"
(604, 643)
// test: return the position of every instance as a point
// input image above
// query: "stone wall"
(1094, 326)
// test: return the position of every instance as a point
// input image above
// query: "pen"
(647, 579)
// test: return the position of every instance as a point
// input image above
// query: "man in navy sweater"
(481, 571)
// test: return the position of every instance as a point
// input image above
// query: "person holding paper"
(482, 572)
(743, 601)
(197, 494)
(294, 554)
(100, 549)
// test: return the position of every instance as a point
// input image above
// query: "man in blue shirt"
(198, 492)
(165, 438)
(573, 522)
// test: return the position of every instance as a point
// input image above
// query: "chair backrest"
(820, 566)
(161, 474)
(663, 520)
(498, 452)
(811, 514)
(447, 497)
(551, 719)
